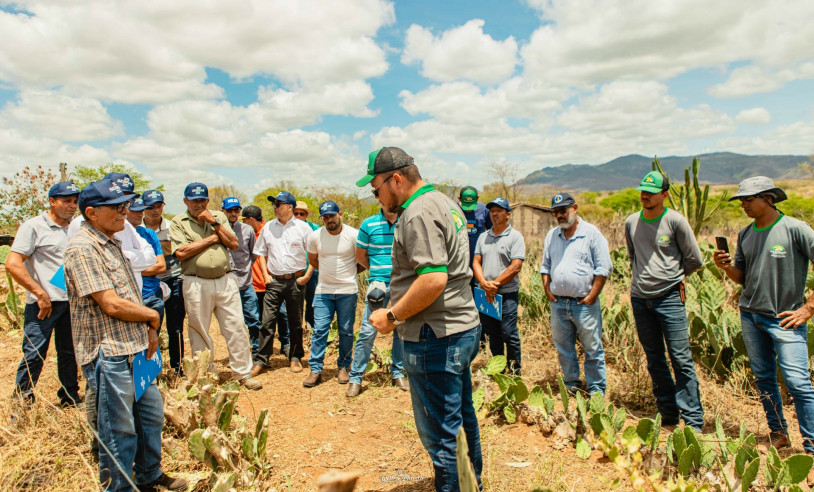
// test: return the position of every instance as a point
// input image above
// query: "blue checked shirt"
(572, 264)
(376, 236)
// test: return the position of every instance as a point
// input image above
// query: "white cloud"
(754, 116)
(464, 52)
(152, 52)
(755, 79)
(19, 149)
(792, 139)
(54, 115)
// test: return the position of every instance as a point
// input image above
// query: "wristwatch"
(392, 318)
(216, 223)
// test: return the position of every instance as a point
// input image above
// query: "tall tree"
(24, 195)
(218, 193)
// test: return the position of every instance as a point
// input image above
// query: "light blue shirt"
(376, 236)
(573, 263)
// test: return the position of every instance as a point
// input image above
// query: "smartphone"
(722, 243)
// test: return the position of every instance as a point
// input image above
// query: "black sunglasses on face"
(376, 189)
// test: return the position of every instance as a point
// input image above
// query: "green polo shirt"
(212, 262)
(431, 236)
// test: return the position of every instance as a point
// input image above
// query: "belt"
(288, 276)
(577, 299)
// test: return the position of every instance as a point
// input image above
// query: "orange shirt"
(258, 276)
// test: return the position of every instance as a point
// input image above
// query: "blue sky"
(250, 93)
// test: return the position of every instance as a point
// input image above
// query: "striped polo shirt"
(376, 236)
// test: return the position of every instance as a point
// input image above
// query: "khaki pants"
(202, 297)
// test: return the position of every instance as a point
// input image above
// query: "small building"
(533, 221)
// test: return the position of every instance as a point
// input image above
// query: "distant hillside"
(625, 172)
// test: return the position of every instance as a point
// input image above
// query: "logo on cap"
(125, 181)
(649, 179)
(72, 187)
(114, 187)
(197, 190)
(324, 206)
(154, 194)
(558, 199)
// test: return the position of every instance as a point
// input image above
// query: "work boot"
(257, 370)
(312, 380)
(166, 482)
(343, 376)
(401, 384)
(353, 390)
(779, 439)
(296, 365)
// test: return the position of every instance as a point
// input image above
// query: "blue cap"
(63, 188)
(151, 197)
(196, 191)
(284, 197)
(328, 207)
(102, 192)
(499, 202)
(562, 200)
(138, 205)
(124, 181)
(230, 202)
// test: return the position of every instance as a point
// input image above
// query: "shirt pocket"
(120, 276)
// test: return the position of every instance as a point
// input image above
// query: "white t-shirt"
(337, 260)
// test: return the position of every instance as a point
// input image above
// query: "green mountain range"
(627, 171)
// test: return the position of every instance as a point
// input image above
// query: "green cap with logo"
(469, 198)
(384, 160)
(654, 182)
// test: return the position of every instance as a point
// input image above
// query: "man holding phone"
(771, 262)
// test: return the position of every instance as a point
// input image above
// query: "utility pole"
(63, 171)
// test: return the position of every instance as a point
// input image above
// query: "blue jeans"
(364, 345)
(89, 373)
(251, 315)
(156, 303)
(660, 321)
(767, 345)
(441, 393)
(36, 338)
(129, 430)
(325, 305)
(570, 320)
(176, 312)
(503, 332)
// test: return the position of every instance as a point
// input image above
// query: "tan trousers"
(202, 297)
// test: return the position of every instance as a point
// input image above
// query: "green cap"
(469, 198)
(654, 182)
(384, 160)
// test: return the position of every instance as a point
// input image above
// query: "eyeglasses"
(298, 214)
(120, 208)
(560, 211)
(277, 204)
(376, 189)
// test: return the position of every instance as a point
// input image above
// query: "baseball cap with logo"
(562, 200)
(102, 192)
(759, 185)
(499, 202)
(63, 188)
(138, 205)
(284, 197)
(151, 197)
(654, 182)
(124, 181)
(230, 202)
(196, 191)
(384, 160)
(376, 292)
(469, 198)
(328, 207)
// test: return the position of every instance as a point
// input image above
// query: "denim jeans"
(277, 293)
(251, 315)
(156, 303)
(364, 345)
(325, 305)
(282, 323)
(441, 393)
(570, 320)
(660, 321)
(175, 313)
(129, 430)
(310, 291)
(36, 338)
(89, 373)
(503, 332)
(767, 345)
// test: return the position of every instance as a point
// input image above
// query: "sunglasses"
(297, 214)
(376, 189)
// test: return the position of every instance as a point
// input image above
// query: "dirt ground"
(313, 431)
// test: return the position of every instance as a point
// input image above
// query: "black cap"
(562, 200)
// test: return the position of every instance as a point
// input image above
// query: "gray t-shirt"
(662, 252)
(774, 261)
(242, 257)
(431, 236)
(497, 253)
(43, 242)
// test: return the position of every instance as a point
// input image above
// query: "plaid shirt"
(93, 263)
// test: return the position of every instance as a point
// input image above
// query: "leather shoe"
(401, 384)
(257, 370)
(353, 390)
(165, 481)
(779, 439)
(296, 365)
(343, 376)
(312, 380)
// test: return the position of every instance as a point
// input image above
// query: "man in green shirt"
(432, 306)
(771, 262)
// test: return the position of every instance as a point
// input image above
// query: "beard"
(569, 221)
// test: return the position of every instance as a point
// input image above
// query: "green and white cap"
(384, 160)
(469, 198)
(654, 182)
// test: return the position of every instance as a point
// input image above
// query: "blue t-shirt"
(477, 222)
(376, 236)
(151, 284)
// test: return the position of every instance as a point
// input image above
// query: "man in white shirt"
(283, 241)
(332, 251)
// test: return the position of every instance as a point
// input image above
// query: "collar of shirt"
(504, 233)
(98, 235)
(580, 232)
(51, 223)
(424, 189)
(384, 219)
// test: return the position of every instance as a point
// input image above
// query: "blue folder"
(145, 371)
(58, 280)
(492, 309)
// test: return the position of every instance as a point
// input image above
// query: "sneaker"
(165, 481)
(251, 384)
